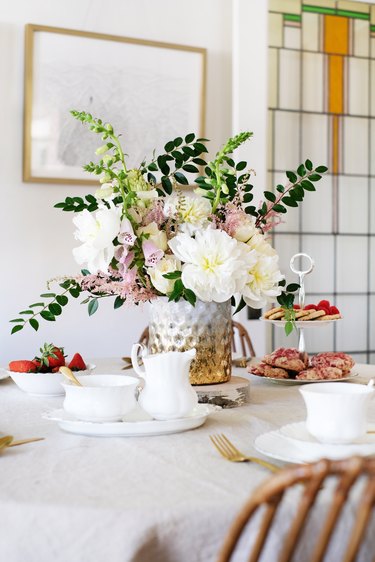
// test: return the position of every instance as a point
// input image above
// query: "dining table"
(166, 498)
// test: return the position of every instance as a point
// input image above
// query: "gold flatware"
(231, 453)
(68, 374)
(25, 441)
(5, 441)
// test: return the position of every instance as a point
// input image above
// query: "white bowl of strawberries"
(40, 377)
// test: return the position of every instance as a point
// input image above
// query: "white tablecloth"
(170, 498)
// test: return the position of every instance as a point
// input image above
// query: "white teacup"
(337, 411)
(102, 398)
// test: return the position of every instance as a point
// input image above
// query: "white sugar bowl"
(101, 398)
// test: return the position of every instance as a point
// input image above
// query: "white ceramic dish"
(135, 424)
(101, 398)
(292, 382)
(301, 323)
(293, 443)
(43, 384)
(4, 374)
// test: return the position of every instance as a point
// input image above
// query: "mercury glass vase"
(207, 326)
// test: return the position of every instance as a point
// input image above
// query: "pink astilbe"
(234, 218)
(129, 288)
(272, 218)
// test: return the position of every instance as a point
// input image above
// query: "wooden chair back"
(312, 476)
(247, 348)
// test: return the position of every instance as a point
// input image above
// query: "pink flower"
(124, 258)
(130, 277)
(152, 253)
(126, 235)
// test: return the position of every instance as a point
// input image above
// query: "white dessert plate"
(4, 374)
(135, 424)
(44, 384)
(292, 382)
(301, 323)
(293, 443)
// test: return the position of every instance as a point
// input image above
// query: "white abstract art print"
(153, 92)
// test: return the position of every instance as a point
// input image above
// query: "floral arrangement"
(141, 235)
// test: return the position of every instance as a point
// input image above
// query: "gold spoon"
(68, 374)
(5, 441)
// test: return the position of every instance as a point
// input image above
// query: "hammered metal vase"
(207, 326)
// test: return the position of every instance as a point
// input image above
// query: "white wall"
(36, 240)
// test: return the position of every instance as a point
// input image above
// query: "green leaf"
(292, 287)
(55, 308)
(189, 138)
(248, 197)
(199, 161)
(47, 315)
(164, 168)
(315, 177)
(289, 202)
(93, 306)
(200, 147)
(232, 301)
(296, 194)
(279, 208)
(118, 302)
(75, 292)
(26, 312)
(172, 275)
(306, 184)
(34, 324)
(85, 272)
(168, 147)
(291, 176)
(288, 327)
(180, 178)
(36, 304)
(309, 165)
(62, 300)
(16, 329)
(153, 167)
(241, 166)
(17, 320)
(167, 185)
(64, 285)
(190, 296)
(321, 169)
(280, 188)
(301, 170)
(177, 141)
(48, 295)
(190, 168)
(251, 210)
(270, 196)
(240, 306)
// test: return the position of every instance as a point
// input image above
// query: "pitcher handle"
(134, 358)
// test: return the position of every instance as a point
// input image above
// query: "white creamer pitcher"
(167, 393)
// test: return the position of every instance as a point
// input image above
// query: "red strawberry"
(77, 363)
(51, 356)
(310, 307)
(296, 306)
(334, 310)
(324, 304)
(22, 366)
(324, 308)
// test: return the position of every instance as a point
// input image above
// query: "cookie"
(313, 315)
(277, 315)
(330, 317)
(272, 311)
(333, 359)
(300, 313)
(264, 370)
(320, 373)
(286, 358)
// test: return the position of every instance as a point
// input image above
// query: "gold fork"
(231, 453)
(7, 441)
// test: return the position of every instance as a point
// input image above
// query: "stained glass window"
(322, 106)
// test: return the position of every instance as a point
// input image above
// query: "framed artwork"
(152, 91)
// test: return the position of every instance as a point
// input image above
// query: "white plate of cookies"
(286, 366)
(312, 315)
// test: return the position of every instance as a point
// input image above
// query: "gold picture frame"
(148, 89)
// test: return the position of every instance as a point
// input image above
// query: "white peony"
(165, 265)
(245, 230)
(259, 243)
(96, 231)
(158, 237)
(214, 264)
(262, 285)
(192, 211)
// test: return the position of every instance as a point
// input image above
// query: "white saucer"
(137, 423)
(4, 374)
(296, 381)
(293, 443)
(302, 323)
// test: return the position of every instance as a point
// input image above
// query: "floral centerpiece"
(142, 235)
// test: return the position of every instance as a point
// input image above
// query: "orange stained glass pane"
(336, 84)
(336, 35)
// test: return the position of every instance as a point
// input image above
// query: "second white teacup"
(337, 411)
